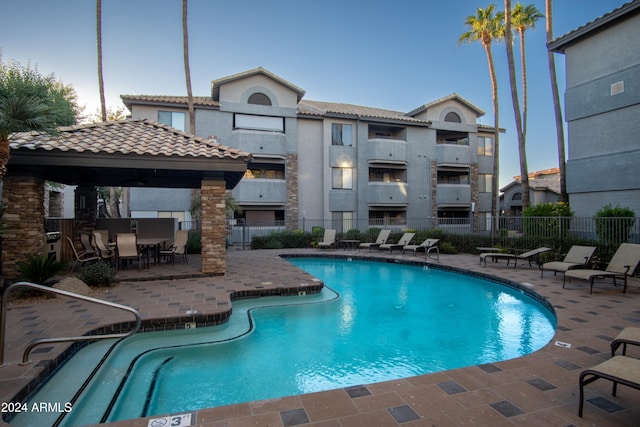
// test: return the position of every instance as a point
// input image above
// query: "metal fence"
(558, 233)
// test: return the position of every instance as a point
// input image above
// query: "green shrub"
(39, 268)
(97, 274)
(614, 223)
(353, 234)
(370, 235)
(194, 243)
(317, 233)
(446, 248)
(551, 220)
(282, 239)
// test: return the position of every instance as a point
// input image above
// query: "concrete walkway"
(537, 390)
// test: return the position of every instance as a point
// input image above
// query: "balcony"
(261, 191)
(260, 142)
(386, 151)
(384, 193)
(453, 154)
(453, 194)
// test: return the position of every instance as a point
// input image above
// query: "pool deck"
(540, 389)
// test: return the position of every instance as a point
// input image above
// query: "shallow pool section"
(390, 321)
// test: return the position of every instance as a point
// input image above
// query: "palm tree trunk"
(103, 104)
(525, 97)
(187, 70)
(524, 173)
(496, 135)
(564, 197)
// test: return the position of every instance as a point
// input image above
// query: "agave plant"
(39, 268)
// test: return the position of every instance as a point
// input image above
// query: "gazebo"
(127, 153)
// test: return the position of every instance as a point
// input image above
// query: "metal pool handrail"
(25, 356)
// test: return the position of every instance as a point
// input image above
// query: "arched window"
(517, 196)
(452, 117)
(259, 99)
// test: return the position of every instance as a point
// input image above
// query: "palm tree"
(556, 105)
(485, 27)
(103, 105)
(187, 71)
(522, 19)
(31, 102)
(524, 173)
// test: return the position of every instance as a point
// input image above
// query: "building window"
(264, 171)
(341, 134)
(380, 217)
(342, 221)
(452, 137)
(453, 175)
(262, 123)
(485, 183)
(342, 178)
(259, 99)
(517, 197)
(452, 117)
(172, 118)
(485, 146)
(387, 175)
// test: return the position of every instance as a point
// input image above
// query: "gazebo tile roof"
(131, 136)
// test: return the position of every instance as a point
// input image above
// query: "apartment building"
(602, 102)
(320, 161)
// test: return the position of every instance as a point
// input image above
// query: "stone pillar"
(86, 208)
(214, 234)
(23, 221)
(434, 195)
(292, 208)
(475, 194)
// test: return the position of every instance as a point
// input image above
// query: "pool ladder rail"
(27, 351)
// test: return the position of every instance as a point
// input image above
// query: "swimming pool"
(380, 328)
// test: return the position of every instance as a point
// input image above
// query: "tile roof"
(319, 108)
(215, 84)
(201, 101)
(453, 96)
(626, 10)
(131, 136)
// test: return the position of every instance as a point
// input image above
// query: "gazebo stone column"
(86, 208)
(23, 221)
(214, 230)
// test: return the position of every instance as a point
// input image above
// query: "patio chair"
(526, 256)
(628, 336)
(102, 251)
(328, 240)
(619, 369)
(428, 246)
(87, 243)
(404, 241)
(127, 248)
(179, 247)
(81, 257)
(623, 263)
(381, 240)
(578, 256)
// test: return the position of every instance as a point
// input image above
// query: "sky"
(391, 54)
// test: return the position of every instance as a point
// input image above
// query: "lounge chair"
(526, 256)
(578, 256)
(628, 336)
(404, 241)
(383, 236)
(428, 246)
(329, 240)
(619, 369)
(623, 263)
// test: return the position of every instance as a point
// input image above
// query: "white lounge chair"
(428, 246)
(383, 236)
(404, 241)
(526, 256)
(328, 240)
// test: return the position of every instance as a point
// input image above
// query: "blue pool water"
(390, 321)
